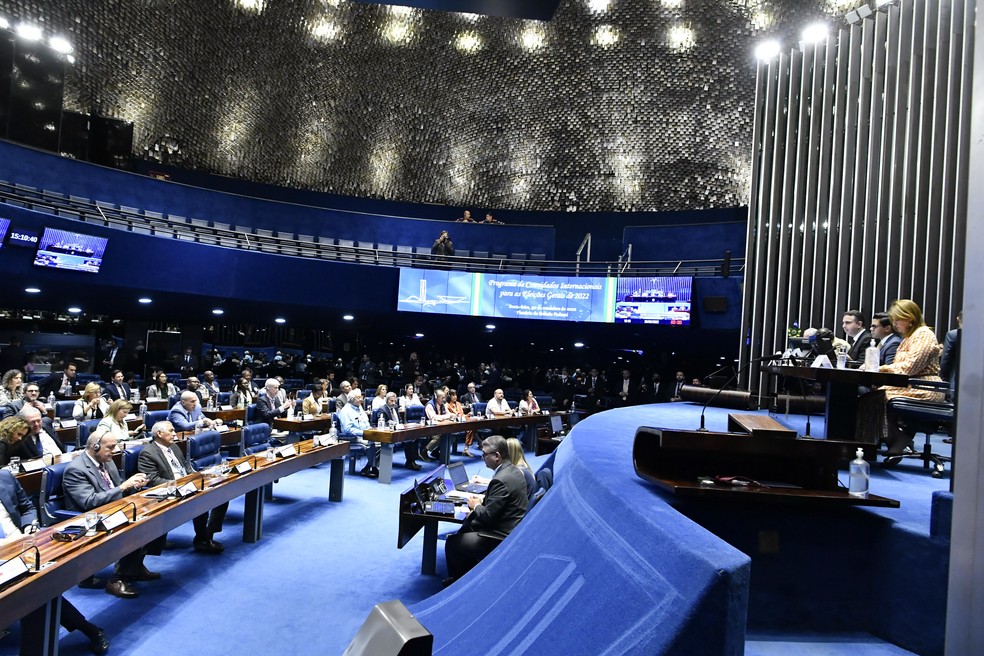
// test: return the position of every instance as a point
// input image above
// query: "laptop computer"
(459, 478)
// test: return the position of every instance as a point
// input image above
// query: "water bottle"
(332, 433)
(142, 411)
(871, 359)
(51, 399)
(860, 472)
(572, 406)
(290, 411)
(381, 424)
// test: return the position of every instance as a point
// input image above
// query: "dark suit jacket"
(505, 503)
(861, 342)
(114, 393)
(28, 449)
(15, 500)
(267, 410)
(385, 412)
(52, 383)
(951, 355)
(888, 347)
(153, 462)
(83, 484)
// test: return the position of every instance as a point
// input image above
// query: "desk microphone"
(37, 556)
(734, 377)
(130, 503)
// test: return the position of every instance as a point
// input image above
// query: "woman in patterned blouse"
(918, 356)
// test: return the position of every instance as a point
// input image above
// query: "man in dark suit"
(950, 359)
(888, 339)
(626, 389)
(23, 518)
(117, 388)
(389, 414)
(161, 461)
(470, 396)
(491, 518)
(269, 406)
(62, 384)
(858, 336)
(188, 363)
(92, 480)
(41, 440)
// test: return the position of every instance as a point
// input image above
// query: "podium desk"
(841, 405)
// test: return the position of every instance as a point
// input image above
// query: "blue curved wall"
(602, 565)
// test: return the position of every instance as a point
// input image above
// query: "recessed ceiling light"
(767, 50)
(29, 32)
(419, 335)
(32, 290)
(815, 33)
(74, 310)
(348, 317)
(218, 311)
(490, 326)
(578, 344)
(280, 320)
(60, 44)
(144, 300)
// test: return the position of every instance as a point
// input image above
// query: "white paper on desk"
(227, 407)
(69, 423)
(455, 494)
(222, 428)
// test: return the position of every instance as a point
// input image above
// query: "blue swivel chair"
(154, 416)
(52, 496)
(356, 449)
(251, 413)
(256, 437)
(63, 409)
(130, 457)
(926, 417)
(415, 413)
(225, 398)
(204, 450)
(86, 428)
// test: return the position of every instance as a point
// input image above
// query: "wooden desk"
(413, 518)
(841, 407)
(319, 424)
(801, 472)
(155, 404)
(31, 481)
(759, 426)
(71, 562)
(235, 414)
(388, 438)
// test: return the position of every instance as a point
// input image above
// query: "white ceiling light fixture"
(815, 33)
(61, 44)
(29, 32)
(767, 50)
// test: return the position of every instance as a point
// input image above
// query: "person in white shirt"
(436, 411)
(528, 404)
(498, 407)
(354, 422)
(379, 400)
(92, 405)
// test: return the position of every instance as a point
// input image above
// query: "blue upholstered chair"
(86, 428)
(63, 409)
(251, 413)
(52, 496)
(356, 449)
(302, 394)
(204, 449)
(174, 398)
(154, 416)
(415, 413)
(225, 398)
(256, 437)
(130, 456)
(925, 417)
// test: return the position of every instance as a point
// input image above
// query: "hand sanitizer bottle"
(871, 359)
(860, 473)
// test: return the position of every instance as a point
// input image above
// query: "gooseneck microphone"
(734, 377)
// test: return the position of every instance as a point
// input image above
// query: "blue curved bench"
(602, 565)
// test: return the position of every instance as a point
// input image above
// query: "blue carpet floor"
(309, 584)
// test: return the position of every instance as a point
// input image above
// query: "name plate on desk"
(226, 407)
(243, 467)
(69, 423)
(12, 570)
(28, 466)
(113, 521)
(187, 490)
(286, 451)
(222, 428)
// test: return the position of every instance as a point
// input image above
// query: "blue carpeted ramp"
(601, 566)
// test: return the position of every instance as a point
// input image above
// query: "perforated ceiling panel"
(612, 105)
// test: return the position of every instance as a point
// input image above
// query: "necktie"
(107, 483)
(175, 465)
(122, 395)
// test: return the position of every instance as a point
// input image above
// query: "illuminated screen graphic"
(555, 298)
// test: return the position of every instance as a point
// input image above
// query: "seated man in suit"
(888, 339)
(40, 441)
(471, 396)
(22, 517)
(31, 399)
(117, 387)
(858, 337)
(209, 388)
(186, 414)
(92, 480)
(353, 422)
(271, 405)
(501, 510)
(161, 461)
(390, 415)
(62, 384)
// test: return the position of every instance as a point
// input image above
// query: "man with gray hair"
(271, 405)
(39, 441)
(161, 461)
(92, 480)
(497, 514)
(388, 413)
(186, 415)
(354, 422)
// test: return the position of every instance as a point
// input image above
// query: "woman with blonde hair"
(379, 400)
(12, 430)
(115, 422)
(517, 458)
(91, 405)
(917, 357)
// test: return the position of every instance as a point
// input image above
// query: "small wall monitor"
(61, 249)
